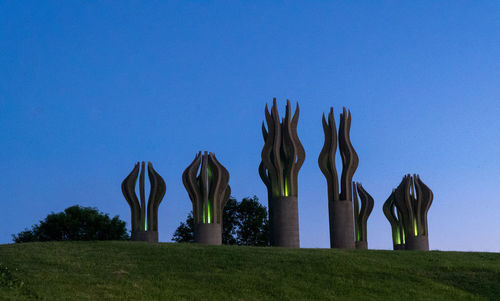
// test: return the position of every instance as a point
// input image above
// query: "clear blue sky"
(89, 88)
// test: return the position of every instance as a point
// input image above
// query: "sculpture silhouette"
(340, 206)
(393, 215)
(361, 214)
(413, 200)
(144, 220)
(282, 156)
(209, 191)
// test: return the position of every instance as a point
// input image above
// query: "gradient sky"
(89, 88)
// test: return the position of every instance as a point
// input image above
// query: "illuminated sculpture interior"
(392, 214)
(340, 205)
(361, 214)
(282, 156)
(144, 219)
(206, 182)
(413, 200)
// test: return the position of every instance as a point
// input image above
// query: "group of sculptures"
(207, 184)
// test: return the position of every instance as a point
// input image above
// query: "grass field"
(141, 271)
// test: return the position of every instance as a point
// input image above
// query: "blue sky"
(87, 89)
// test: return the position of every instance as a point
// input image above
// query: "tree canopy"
(75, 223)
(244, 223)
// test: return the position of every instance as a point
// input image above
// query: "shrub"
(75, 223)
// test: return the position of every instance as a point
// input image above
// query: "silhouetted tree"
(185, 231)
(244, 223)
(253, 225)
(230, 222)
(75, 223)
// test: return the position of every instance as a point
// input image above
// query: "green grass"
(141, 271)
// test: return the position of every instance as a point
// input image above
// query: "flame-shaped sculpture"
(144, 221)
(413, 200)
(340, 206)
(282, 157)
(361, 214)
(393, 215)
(209, 191)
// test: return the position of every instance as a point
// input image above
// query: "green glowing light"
(145, 225)
(209, 171)
(415, 226)
(209, 213)
(398, 236)
(208, 220)
(286, 187)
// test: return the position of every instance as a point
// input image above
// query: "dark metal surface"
(412, 200)
(361, 214)
(282, 157)
(340, 205)
(144, 220)
(207, 184)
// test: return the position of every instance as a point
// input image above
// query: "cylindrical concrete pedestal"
(342, 225)
(208, 234)
(149, 236)
(420, 243)
(271, 219)
(362, 245)
(285, 229)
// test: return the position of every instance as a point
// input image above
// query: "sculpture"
(209, 191)
(340, 206)
(144, 221)
(282, 156)
(361, 214)
(413, 200)
(393, 215)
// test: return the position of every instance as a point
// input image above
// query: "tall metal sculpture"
(209, 191)
(361, 214)
(413, 200)
(340, 206)
(144, 219)
(394, 217)
(282, 156)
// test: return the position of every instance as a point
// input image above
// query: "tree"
(230, 222)
(253, 225)
(244, 223)
(185, 231)
(75, 223)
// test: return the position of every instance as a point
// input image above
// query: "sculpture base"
(399, 247)
(149, 236)
(342, 225)
(420, 243)
(285, 229)
(208, 234)
(362, 245)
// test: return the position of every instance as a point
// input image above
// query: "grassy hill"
(140, 271)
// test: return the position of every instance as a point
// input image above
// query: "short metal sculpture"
(393, 215)
(413, 200)
(209, 191)
(282, 156)
(340, 206)
(361, 214)
(144, 219)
